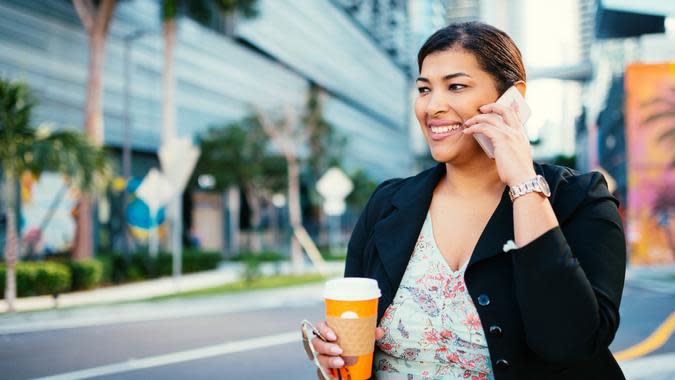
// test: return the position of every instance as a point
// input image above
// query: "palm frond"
(70, 153)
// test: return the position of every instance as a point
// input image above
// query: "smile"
(441, 132)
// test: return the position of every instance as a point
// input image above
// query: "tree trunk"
(10, 243)
(294, 211)
(256, 216)
(168, 81)
(169, 130)
(93, 128)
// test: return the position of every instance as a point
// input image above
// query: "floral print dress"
(432, 329)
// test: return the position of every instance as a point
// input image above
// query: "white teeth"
(445, 129)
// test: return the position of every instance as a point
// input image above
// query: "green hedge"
(38, 278)
(62, 275)
(140, 266)
(85, 274)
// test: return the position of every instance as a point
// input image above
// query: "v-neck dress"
(432, 329)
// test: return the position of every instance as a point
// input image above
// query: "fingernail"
(335, 350)
(337, 362)
(331, 335)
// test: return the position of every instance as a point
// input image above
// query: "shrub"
(195, 261)
(51, 278)
(86, 274)
(252, 271)
(38, 278)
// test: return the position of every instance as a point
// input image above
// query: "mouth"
(441, 130)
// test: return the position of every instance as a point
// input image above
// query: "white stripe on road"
(181, 356)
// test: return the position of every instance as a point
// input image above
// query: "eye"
(423, 90)
(456, 87)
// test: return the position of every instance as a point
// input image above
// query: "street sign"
(334, 186)
(155, 191)
(178, 157)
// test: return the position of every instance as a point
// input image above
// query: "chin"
(455, 153)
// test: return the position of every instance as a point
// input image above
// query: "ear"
(521, 86)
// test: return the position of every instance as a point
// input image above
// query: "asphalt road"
(224, 345)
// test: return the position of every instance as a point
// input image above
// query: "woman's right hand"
(329, 352)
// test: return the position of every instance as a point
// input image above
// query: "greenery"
(265, 256)
(24, 148)
(329, 255)
(326, 144)
(38, 278)
(363, 189)
(243, 285)
(140, 266)
(51, 278)
(85, 274)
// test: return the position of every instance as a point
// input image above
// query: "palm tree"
(95, 16)
(24, 148)
(203, 11)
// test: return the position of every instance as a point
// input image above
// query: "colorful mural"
(650, 135)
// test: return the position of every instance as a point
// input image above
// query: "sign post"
(334, 186)
(178, 157)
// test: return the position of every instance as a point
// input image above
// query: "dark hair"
(495, 51)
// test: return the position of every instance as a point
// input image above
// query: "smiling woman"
(489, 269)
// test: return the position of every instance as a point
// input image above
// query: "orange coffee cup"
(351, 311)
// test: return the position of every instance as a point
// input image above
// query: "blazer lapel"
(497, 232)
(396, 234)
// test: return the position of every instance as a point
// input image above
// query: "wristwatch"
(537, 184)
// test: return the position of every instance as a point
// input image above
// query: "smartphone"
(510, 98)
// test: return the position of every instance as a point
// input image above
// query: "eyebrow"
(447, 77)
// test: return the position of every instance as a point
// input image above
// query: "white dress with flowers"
(432, 329)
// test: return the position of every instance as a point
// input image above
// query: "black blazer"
(549, 309)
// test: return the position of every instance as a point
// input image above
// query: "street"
(165, 340)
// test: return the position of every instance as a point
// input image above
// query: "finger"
(491, 131)
(489, 118)
(326, 331)
(326, 348)
(508, 114)
(331, 361)
(379, 333)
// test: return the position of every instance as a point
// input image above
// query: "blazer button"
(496, 330)
(502, 364)
(483, 300)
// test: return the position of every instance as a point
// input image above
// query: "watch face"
(544, 186)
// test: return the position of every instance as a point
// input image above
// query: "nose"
(437, 104)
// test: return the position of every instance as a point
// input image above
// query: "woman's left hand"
(512, 150)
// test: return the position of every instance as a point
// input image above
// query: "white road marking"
(180, 356)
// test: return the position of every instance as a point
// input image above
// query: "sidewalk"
(226, 273)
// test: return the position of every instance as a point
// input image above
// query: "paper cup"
(351, 311)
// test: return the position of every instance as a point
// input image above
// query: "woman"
(475, 284)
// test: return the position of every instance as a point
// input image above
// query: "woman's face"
(452, 87)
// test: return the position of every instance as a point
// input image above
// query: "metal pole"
(177, 239)
(126, 145)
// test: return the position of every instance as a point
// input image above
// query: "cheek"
(420, 106)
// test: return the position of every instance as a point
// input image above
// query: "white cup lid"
(352, 289)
